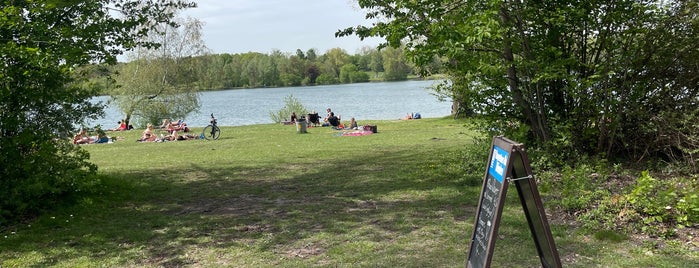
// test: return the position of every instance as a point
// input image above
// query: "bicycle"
(211, 132)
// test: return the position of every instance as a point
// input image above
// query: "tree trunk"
(536, 120)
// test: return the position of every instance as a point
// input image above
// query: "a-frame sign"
(508, 163)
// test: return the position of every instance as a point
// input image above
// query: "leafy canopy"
(594, 77)
(41, 102)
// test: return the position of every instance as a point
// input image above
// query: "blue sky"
(240, 26)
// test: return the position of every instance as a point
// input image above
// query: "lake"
(363, 101)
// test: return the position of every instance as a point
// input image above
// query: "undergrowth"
(602, 198)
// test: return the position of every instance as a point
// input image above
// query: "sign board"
(508, 163)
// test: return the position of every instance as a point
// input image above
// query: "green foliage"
(350, 73)
(472, 161)
(48, 172)
(579, 187)
(665, 201)
(394, 64)
(40, 95)
(161, 83)
(612, 86)
(291, 104)
(254, 69)
(325, 79)
(650, 206)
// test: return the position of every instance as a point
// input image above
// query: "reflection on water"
(384, 100)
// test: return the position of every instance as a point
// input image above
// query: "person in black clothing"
(333, 120)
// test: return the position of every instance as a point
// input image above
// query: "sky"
(241, 26)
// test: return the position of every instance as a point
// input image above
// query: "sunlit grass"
(266, 196)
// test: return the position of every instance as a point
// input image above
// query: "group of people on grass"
(335, 121)
(176, 130)
(83, 138)
(173, 129)
(330, 120)
(410, 116)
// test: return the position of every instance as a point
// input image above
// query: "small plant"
(579, 188)
(659, 202)
(291, 104)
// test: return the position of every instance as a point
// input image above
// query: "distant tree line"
(163, 82)
(283, 69)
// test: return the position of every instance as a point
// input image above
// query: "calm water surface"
(363, 101)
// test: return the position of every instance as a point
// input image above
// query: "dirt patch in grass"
(305, 252)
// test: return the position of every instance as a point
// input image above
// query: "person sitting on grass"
(122, 126)
(332, 120)
(353, 124)
(148, 134)
(293, 117)
(101, 136)
(81, 137)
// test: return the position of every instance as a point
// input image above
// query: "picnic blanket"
(357, 133)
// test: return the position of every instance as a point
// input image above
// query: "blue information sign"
(498, 163)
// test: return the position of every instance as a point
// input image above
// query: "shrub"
(291, 104)
(673, 201)
(49, 172)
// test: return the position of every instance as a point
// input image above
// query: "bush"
(49, 172)
(291, 104)
(673, 201)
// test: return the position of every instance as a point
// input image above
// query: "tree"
(333, 60)
(312, 72)
(311, 55)
(349, 73)
(376, 63)
(160, 83)
(42, 44)
(581, 76)
(394, 65)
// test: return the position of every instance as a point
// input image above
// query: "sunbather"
(148, 134)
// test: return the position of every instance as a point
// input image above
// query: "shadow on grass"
(161, 217)
(310, 214)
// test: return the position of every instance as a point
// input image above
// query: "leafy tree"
(41, 100)
(376, 63)
(311, 55)
(349, 73)
(363, 59)
(326, 79)
(394, 64)
(300, 55)
(312, 72)
(582, 76)
(333, 60)
(160, 83)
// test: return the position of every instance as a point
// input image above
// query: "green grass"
(266, 196)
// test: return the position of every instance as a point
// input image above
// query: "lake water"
(363, 101)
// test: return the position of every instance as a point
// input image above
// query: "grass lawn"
(264, 196)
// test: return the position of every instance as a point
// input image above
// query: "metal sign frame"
(509, 163)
